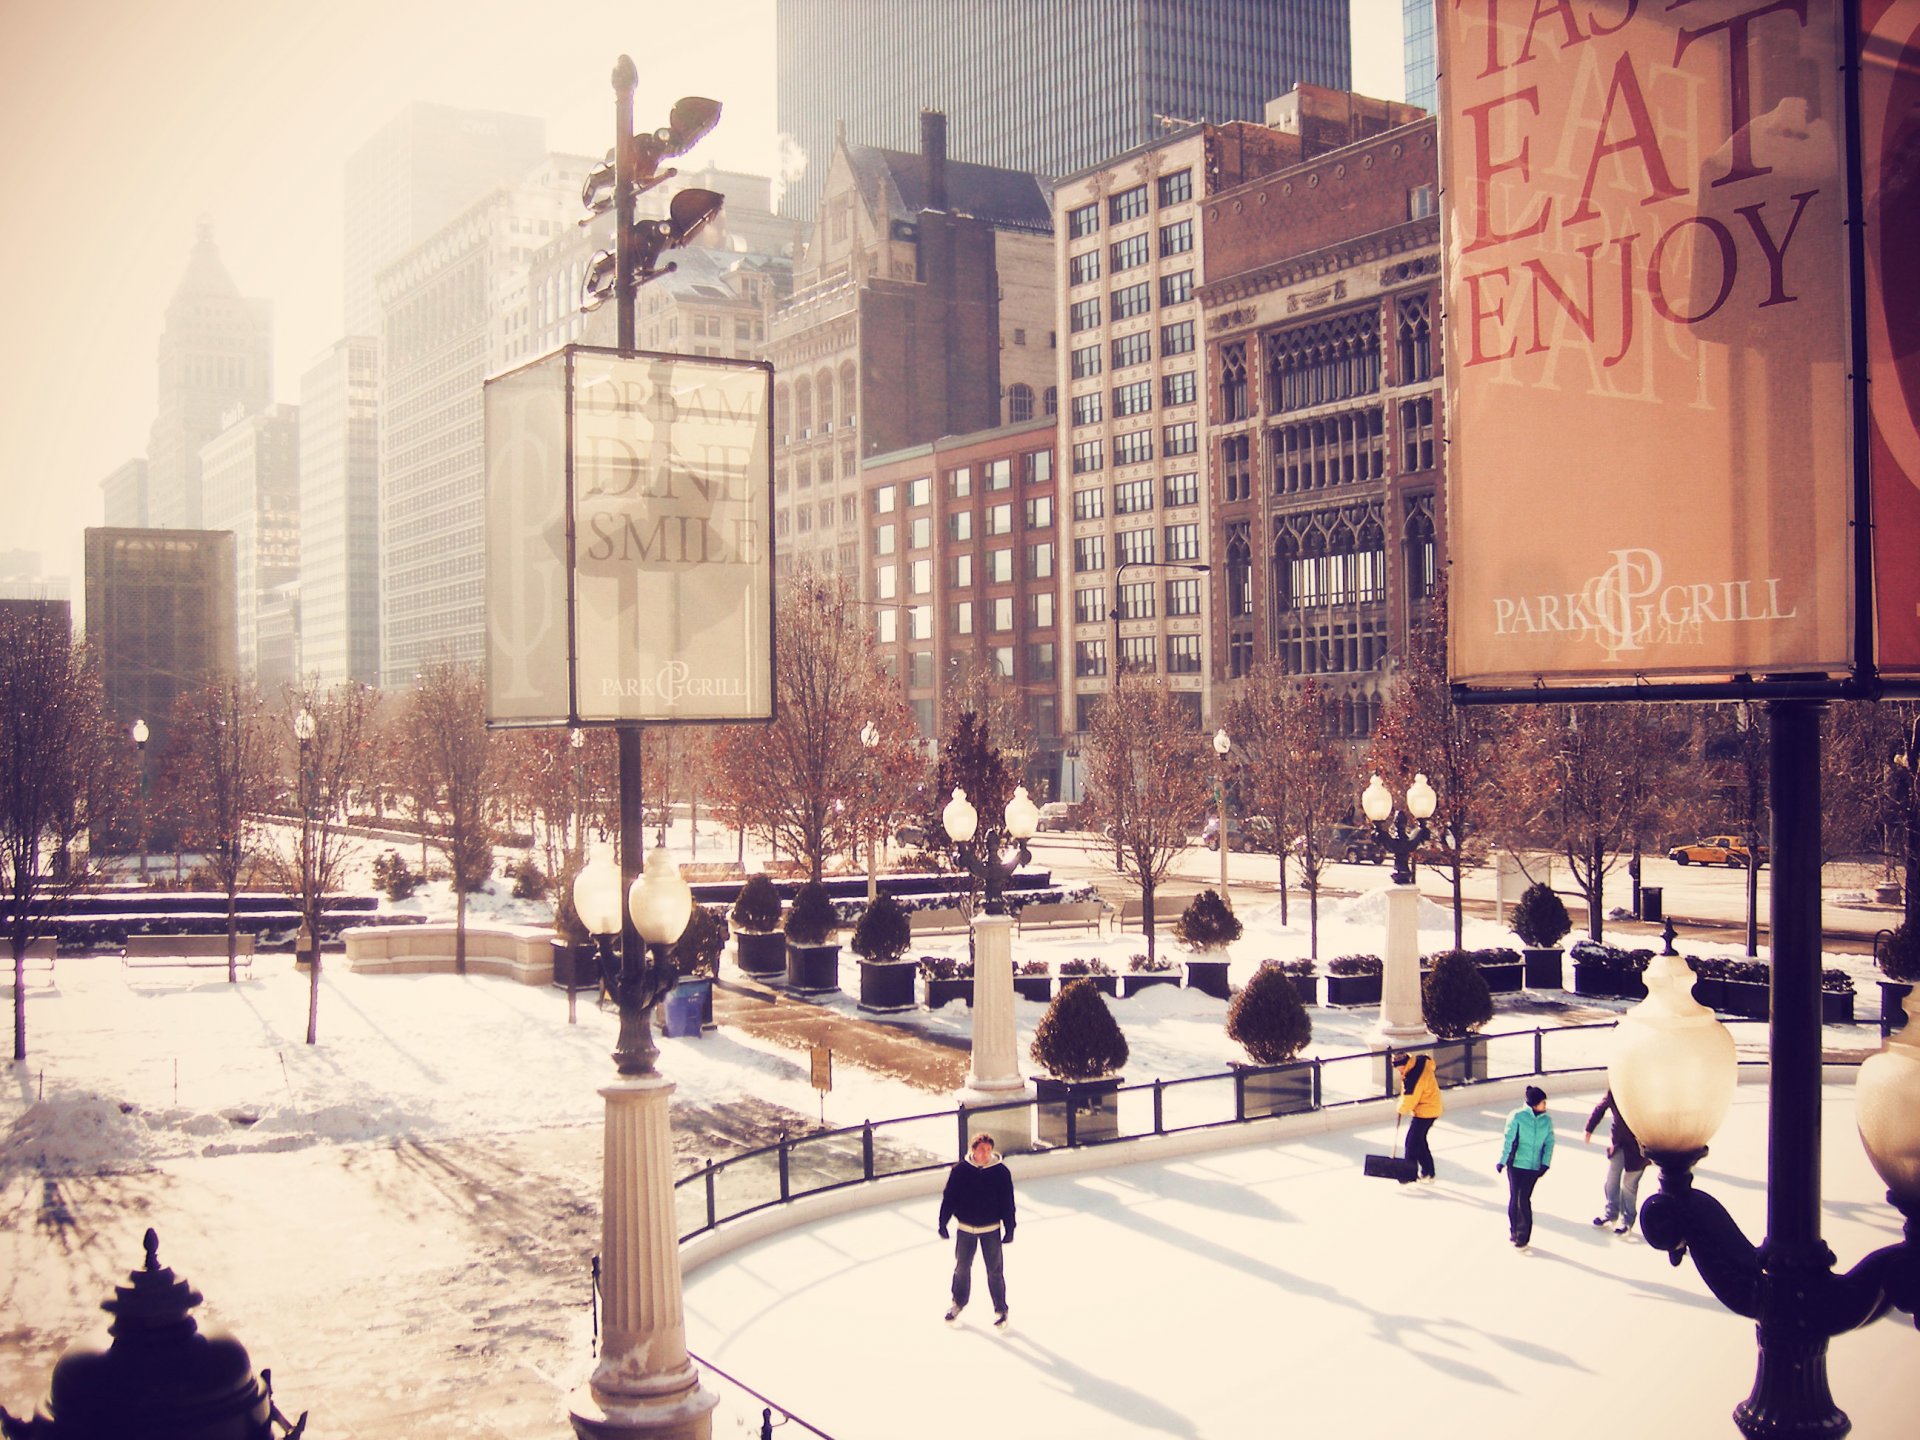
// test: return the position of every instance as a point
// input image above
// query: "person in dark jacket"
(1526, 1152)
(1625, 1165)
(979, 1199)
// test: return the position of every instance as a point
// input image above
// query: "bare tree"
(1147, 779)
(221, 770)
(329, 756)
(1321, 775)
(1870, 787)
(59, 783)
(446, 721)
(1257, 719)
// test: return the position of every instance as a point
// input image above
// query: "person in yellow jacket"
(1420, 1099)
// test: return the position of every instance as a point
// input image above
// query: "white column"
(643, 1384)
(1401, 1022)
(995, 1077)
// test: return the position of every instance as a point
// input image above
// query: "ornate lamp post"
(1401, 1022)
(995, 1077)
(644, 1383)
(304, 729)
(1222, 743)
(141, 735)
(870, 739)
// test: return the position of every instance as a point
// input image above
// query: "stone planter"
(943, 992)
(1543, 967)
(1033, 987)
(1353, 989)
(1092, 1104)
(1893, 1015)
(1504, 979)
(1459, 1062)
(760, 953)
(813, 969)
(1836, 1007)
(1134, 981)
(1273, 1089)
(575, 966)
(1748, 999)
(886, 986)
(1707, 990)
(1208, 976)
(1105, 984)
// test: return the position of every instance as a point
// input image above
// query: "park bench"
(940, 920)
(1133, 912)
(39, 957)
(189, 952)
(1060, 915)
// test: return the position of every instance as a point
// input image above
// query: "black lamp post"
(140, 736)
(1113, 614)
(304, 729)
(1400, 842)
(979, 853)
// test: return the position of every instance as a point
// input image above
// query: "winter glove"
(943, 1232)
(1007, 1239)
(1496, 1170)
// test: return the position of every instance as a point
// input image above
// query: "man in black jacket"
(979, 1198)
(1625, 1164)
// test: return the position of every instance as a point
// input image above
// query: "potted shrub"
(1836, 997)
(813, 956)
(759, 947)
(1455, 1002)
(1096, 970)
(1207, 927)
(1079, 1044)
(1267, 1020)
(1145, 970)
(1505, 970)
(696, 954)
(1604, 971)
(1353, 980)
(880, 940)
(1897, 953)
(1305, 985)
(1032, 980)
(1709, 971)
(948, 978)
(576, 960)
(1540, 920)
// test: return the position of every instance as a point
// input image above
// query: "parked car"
(1254, 832)
(1728, 850)
(908, 830)
(1355, 844)
(1059, 815)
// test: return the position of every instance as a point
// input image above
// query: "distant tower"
(250, 484)
(216, 352)
(1422, 60)
(123, 494)
(340, 513)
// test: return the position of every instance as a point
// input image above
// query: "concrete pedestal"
(644, 1384)
(994, 1077)
(1400, 1021)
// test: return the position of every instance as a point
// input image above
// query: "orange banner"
(1648, 469)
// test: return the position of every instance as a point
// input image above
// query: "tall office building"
(1422, 60)
(160, 615)
(216, 352)
(424, 167)
(339, 590)
(250, 484)
(123, 494)
(1044, 86)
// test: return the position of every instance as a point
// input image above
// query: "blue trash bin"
(683, 1011)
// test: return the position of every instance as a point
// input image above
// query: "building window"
(1239, 655)
(1181, 439)
(1084, 362)
(1137, 654)
(1183, 542)
(1136, 600)
(1233, 381)
(1183, 597)
(1335, 359)
(1236, 467)
(1050, 401)
(920, 532)
(1176, 239)
(1083, 221)
(1416, 435)
(1127, 205)
(960, 525)
(960, 570)
(1176, 339)
(1177, 389)
(1088, 456)
(1176, 289)
(1183, 489)
(1003, 613)
(1039, 512)
(886, 579)
(1040, 660)
(920, 491)
(883, 499)
(1000, 519)
(1084, 314)
(1421, 575)
(1176, 188)
(1134, 547)
(1040, 610)
(960, 482)
(999, 567)
(1019, 404)
(1090, 606)
(1133, 399)
(1337, 450)
(1131, 300)
(1040, 560)
(1413, 334)
(1089, 553)
(1132, 497)
(1132, 350)
(1329, 557)
(1183, 654)
(1085, 409)
(999, 474)
(1134, 448)
(1420, 202)
(920, 622)
(1128, 253)
(962, 618)
(1089, 658)
(1037, 467)
(920, 577)
(1239, 571)
(1084, 268)
(1089, 504)
(882, 537)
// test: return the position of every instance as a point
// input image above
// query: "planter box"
(1209, 977)
(886, 987)
(1353, 989)
(1105, 984)
(813, 969)
(1504, 979)
(1273, 1089)
(1836, 1007)
(1707, 989)
(1093, 1104)
(1134, 981)
(1307, 987)
(1603, 983)
(1893, 1015)
(1747, 998)
(763, 954)
(1543, 967)
(1033, 987)
(575, 967)
(1459, 1062)
(942, 992)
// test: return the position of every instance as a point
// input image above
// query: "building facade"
(215, 353)
(1422, 55)
(1321, 305)
(1038, 86)
(123, 495)
(250, 484)
(160, 615)
(339, 590)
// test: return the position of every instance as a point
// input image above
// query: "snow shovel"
(1395, 1166)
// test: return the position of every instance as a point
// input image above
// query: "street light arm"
(1680, 1219)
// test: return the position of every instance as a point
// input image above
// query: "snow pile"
(79, 1134)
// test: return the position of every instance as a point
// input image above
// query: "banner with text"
(1648, 462)
(629, 514)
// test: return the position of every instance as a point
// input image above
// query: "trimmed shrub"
(1354, 965)
(1899, 953)
(1540, 917)
(1498, 957)
(697, 952)
(1078, 1038)
(883, 933)
(1149, 964)
(1079, 966)
(946, 967)
(811, 919)
(1207, 923)
(1266, 1018)
(529, 881)
(757, 907)
(1299, 969)
(1454, 998)
(1029, 967)
(1612, 960)
(391, 874)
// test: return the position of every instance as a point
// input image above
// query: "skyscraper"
(1040, 85)
(250, 484)
(216, 351)
(340, 513)
(123, 494)
(160, 616)
(1421, 58)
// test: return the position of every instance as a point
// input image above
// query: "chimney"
(933, 147)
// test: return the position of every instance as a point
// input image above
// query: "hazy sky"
(130, 120)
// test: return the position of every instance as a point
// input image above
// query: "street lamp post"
(140, 737)
(995, 1078)
(1401, 1022)
(304, 729)
(870, 739)
(644, 1383)
(1113, 613)
(1222, 743)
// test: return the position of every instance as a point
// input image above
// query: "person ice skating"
(1526, 1152)
(979, 1199)
(1626, 1162)
(1420, 1099)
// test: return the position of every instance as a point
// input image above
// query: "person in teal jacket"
(1526, 1153)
